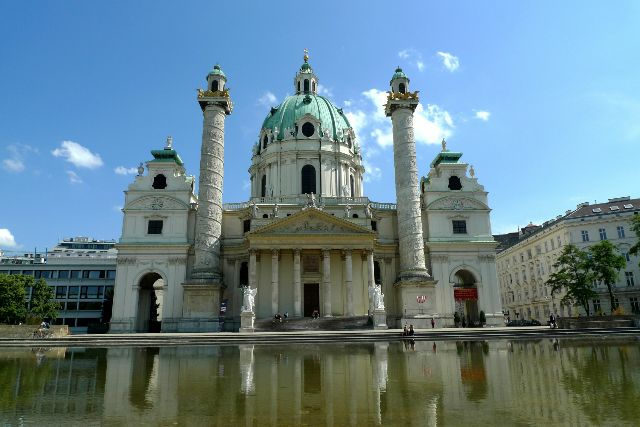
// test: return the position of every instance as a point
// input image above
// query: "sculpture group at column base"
(380, 319)
(200, 306)
(246, 321)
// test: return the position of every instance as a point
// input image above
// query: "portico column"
(274, 281)
(326, 281)
(370, 278)
(252, 268)
(348, 279)
(297, 285)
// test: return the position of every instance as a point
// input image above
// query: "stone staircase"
(310, 324)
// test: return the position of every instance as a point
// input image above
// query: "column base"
(124, 325)
(418, 302)
(380, 319)
(200, 306)
(246, 321)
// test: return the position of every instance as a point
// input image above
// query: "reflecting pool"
(423, 383)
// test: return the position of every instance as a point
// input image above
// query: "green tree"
(605, 264)
(43, 304)
(573, 276)
(635, 227)
(13, 292)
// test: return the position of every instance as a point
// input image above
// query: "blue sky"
(542, 97)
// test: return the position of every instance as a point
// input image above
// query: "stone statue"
(311, 200)
(378, 298)
(472, 172)
(345, 191)
(347, 211)
(169, 145)
(367, 210)
(140, 169)
(444, 145)
(254, 210)
(275, 210)
(248, 300)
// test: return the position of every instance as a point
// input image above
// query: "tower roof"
(217, 71)
(399, 74)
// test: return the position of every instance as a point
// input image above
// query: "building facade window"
(603, 234)
(585, 235)
(620, 230)
(154, 226)
(596, 305)
(308, 177)
(628, 275)
(635, 305)
(459, 226)
(626, 256)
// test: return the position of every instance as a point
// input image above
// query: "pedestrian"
(405, 332)
(433, 323)
(411, 331)
(552, 321)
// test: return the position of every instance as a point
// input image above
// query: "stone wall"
(598, 322)
(26, 331)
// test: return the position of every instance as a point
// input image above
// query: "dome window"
(308, 175)
(214, 86)
(265, 140)
(454, 183)
(298, 86)
(308, 129)
(313, 86)
(263, 186)
(402, 88)
(306, 85)
(159, 182)
(352, 186)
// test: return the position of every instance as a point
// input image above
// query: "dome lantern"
(399, 81)
(216, 79)
(306, 81)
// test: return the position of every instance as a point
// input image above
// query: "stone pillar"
(348, 280)
(297, 284)
(326, 281)
(252, 268)
(209, 215)
(274, 281)
(370, 279)
(411, 244)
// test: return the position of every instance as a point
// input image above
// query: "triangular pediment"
(311, 221)
(457, 204)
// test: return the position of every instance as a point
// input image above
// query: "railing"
(301, 200)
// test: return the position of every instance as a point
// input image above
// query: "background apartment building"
(525, 259)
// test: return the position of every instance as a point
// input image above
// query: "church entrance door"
(311, 298)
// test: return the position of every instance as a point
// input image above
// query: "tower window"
(308, 129)
(159, 182)
(214, 86)
(374, 225)
(246, 225)
(263, 186)
(454, 183)
(402, 88)
(308, 175)
(265, 140)
(306, 85)
(154, 226)
(298, 86)
(459, 226)
(313, 86)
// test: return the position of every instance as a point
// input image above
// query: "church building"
(308, 241)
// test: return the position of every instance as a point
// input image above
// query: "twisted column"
(209, 215)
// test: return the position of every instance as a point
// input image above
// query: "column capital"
(326, 252)
(297, 251)
(275, 253)
(346, 251)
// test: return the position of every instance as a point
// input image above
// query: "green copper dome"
(294, 107)
(217, 71)
(399, 74)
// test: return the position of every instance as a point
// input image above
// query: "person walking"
(433, 323)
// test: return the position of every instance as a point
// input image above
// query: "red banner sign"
(465, 293)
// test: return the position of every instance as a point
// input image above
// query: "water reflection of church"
(308, 238)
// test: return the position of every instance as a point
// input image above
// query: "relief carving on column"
(124, 260)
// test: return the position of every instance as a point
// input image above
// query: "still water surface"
(518, 383)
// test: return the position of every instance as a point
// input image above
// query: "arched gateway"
(150, 301)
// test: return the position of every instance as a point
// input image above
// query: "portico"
(306, 251)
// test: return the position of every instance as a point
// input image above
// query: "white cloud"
(413, 57)
(74, 178)
(372, 172)
(117, 208)
(357, 120)
(348, 103)
(121, 170)
(17, 154)
(246, 184)
(432, 124)
(483, 115)
(13, 165)
(6, 239)
(449, 61)
(383, 137)
(325, 91)
(78, 155)
(268, 99)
